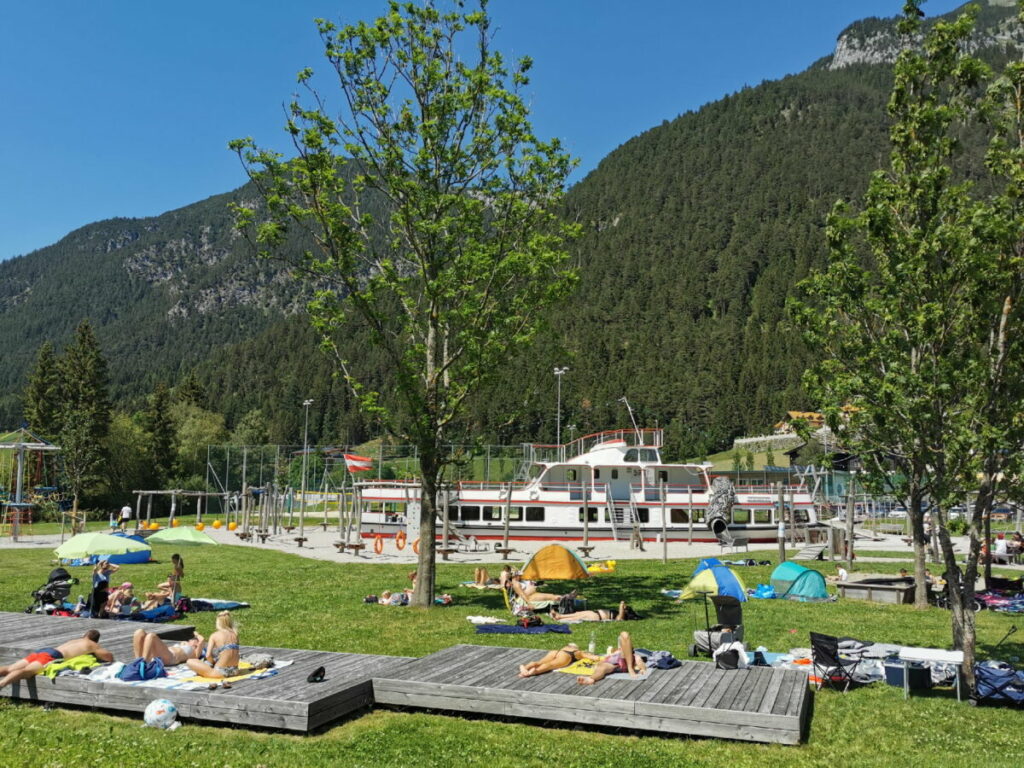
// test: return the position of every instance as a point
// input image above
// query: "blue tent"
(715, 580)
(793, 581)
(704, 564)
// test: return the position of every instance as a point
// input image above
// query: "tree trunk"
(430, 471)
(920, 548)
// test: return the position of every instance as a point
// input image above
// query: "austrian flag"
(358, 463)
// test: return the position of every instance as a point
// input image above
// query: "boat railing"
(543, 452)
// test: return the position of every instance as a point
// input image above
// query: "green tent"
(793, 581)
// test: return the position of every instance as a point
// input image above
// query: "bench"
(734, 544)
(504, 552)
(889, 528)
(586, 550)
(301, 540)
(472, 545)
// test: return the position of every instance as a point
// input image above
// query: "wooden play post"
(849, 524)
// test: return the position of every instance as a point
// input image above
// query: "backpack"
(567, 604)
(140, 669)
(531, 621)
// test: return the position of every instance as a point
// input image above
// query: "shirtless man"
(33, 664)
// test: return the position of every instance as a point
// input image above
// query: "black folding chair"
(828, 666)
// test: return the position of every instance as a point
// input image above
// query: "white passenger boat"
(616, 479)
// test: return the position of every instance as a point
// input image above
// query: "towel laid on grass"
(515, 629)
(212, 604)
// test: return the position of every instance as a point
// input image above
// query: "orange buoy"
(378, 543)
(154, 526)
(232, 525)
(400, 538)
(175, 523)
(416, 546)
(216, 524)
(200, 526)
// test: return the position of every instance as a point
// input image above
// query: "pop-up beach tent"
(715, 580)
(793, 581)
(554, 563)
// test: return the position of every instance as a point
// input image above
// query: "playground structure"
(22, 452)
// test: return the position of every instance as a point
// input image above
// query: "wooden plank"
(757, 691)
(701, 677)
(768, 702)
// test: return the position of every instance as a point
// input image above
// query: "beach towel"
(181, 678)
(211, 604)
(586, 667)
(510, 629)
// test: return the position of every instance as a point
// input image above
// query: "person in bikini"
(222, 650)
(33, 664)
(149, 646)
(526, 591)
(563, 657)
(624, 613)
(622, 659)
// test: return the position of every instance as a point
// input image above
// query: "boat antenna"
(636, 429)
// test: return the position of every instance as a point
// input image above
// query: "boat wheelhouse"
(609, 485)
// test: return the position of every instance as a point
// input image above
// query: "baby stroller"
(729, 625)
(50, 597)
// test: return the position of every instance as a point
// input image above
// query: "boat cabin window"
(632, 455)
(762, 515)
(591, 514)
(662, 475)
(698, 515)
(801, 516)
(535, 514)
(597, 473)
(615, 474)
(740, 515)
(514, 513)
(469, 513)
(491, 513)
(643, 514)
(570, 475)
(678, 516)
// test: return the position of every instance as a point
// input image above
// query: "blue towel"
(515, 629)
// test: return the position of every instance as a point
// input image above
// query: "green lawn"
(304, 603)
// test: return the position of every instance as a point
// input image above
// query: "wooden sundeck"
(756, 704)
(285, 701)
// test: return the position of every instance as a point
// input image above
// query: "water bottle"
(592, 645)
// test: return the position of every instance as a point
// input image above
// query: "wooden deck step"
(811, 552)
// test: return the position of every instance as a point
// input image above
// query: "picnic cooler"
(920, 676)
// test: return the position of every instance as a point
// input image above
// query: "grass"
(313, 604)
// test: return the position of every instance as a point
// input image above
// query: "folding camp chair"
(833, 669)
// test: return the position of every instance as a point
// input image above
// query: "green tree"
(195, 430)
(160, 426)
(451, 279)
(918, 311)
(42, 395)
(128, 466)
(85, 412)
(251, 429)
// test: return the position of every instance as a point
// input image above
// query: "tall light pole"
(305, 459)
(558, 420)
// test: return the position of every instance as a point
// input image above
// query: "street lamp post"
(558, 419)
(305, 459)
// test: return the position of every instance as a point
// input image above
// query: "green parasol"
(87, 544)
(183, 535)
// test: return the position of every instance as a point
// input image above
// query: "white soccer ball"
(160, 713)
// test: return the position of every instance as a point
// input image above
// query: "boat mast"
(636, 429)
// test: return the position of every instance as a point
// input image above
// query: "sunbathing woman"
(624, 613)
(526, 591)
(563, 657)
(149, 646)
(622, 659)
(222, 650)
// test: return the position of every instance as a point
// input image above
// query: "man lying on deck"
(33, 664)
(622, 659)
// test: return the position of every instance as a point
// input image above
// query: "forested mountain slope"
(695, 232)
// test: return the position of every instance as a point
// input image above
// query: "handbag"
(531, 621)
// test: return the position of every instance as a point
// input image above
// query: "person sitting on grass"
(33, 664)
(526, 591)
(149, 646)
(482, 579)
(222, 650)
(624, 613)
(122, 599)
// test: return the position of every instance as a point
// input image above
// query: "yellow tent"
(554, 562)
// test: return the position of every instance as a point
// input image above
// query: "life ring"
(378, 543)
(400, 538)
(416, 546)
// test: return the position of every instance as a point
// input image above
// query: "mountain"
(696, 231)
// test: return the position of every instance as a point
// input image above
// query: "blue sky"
(116, 108)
